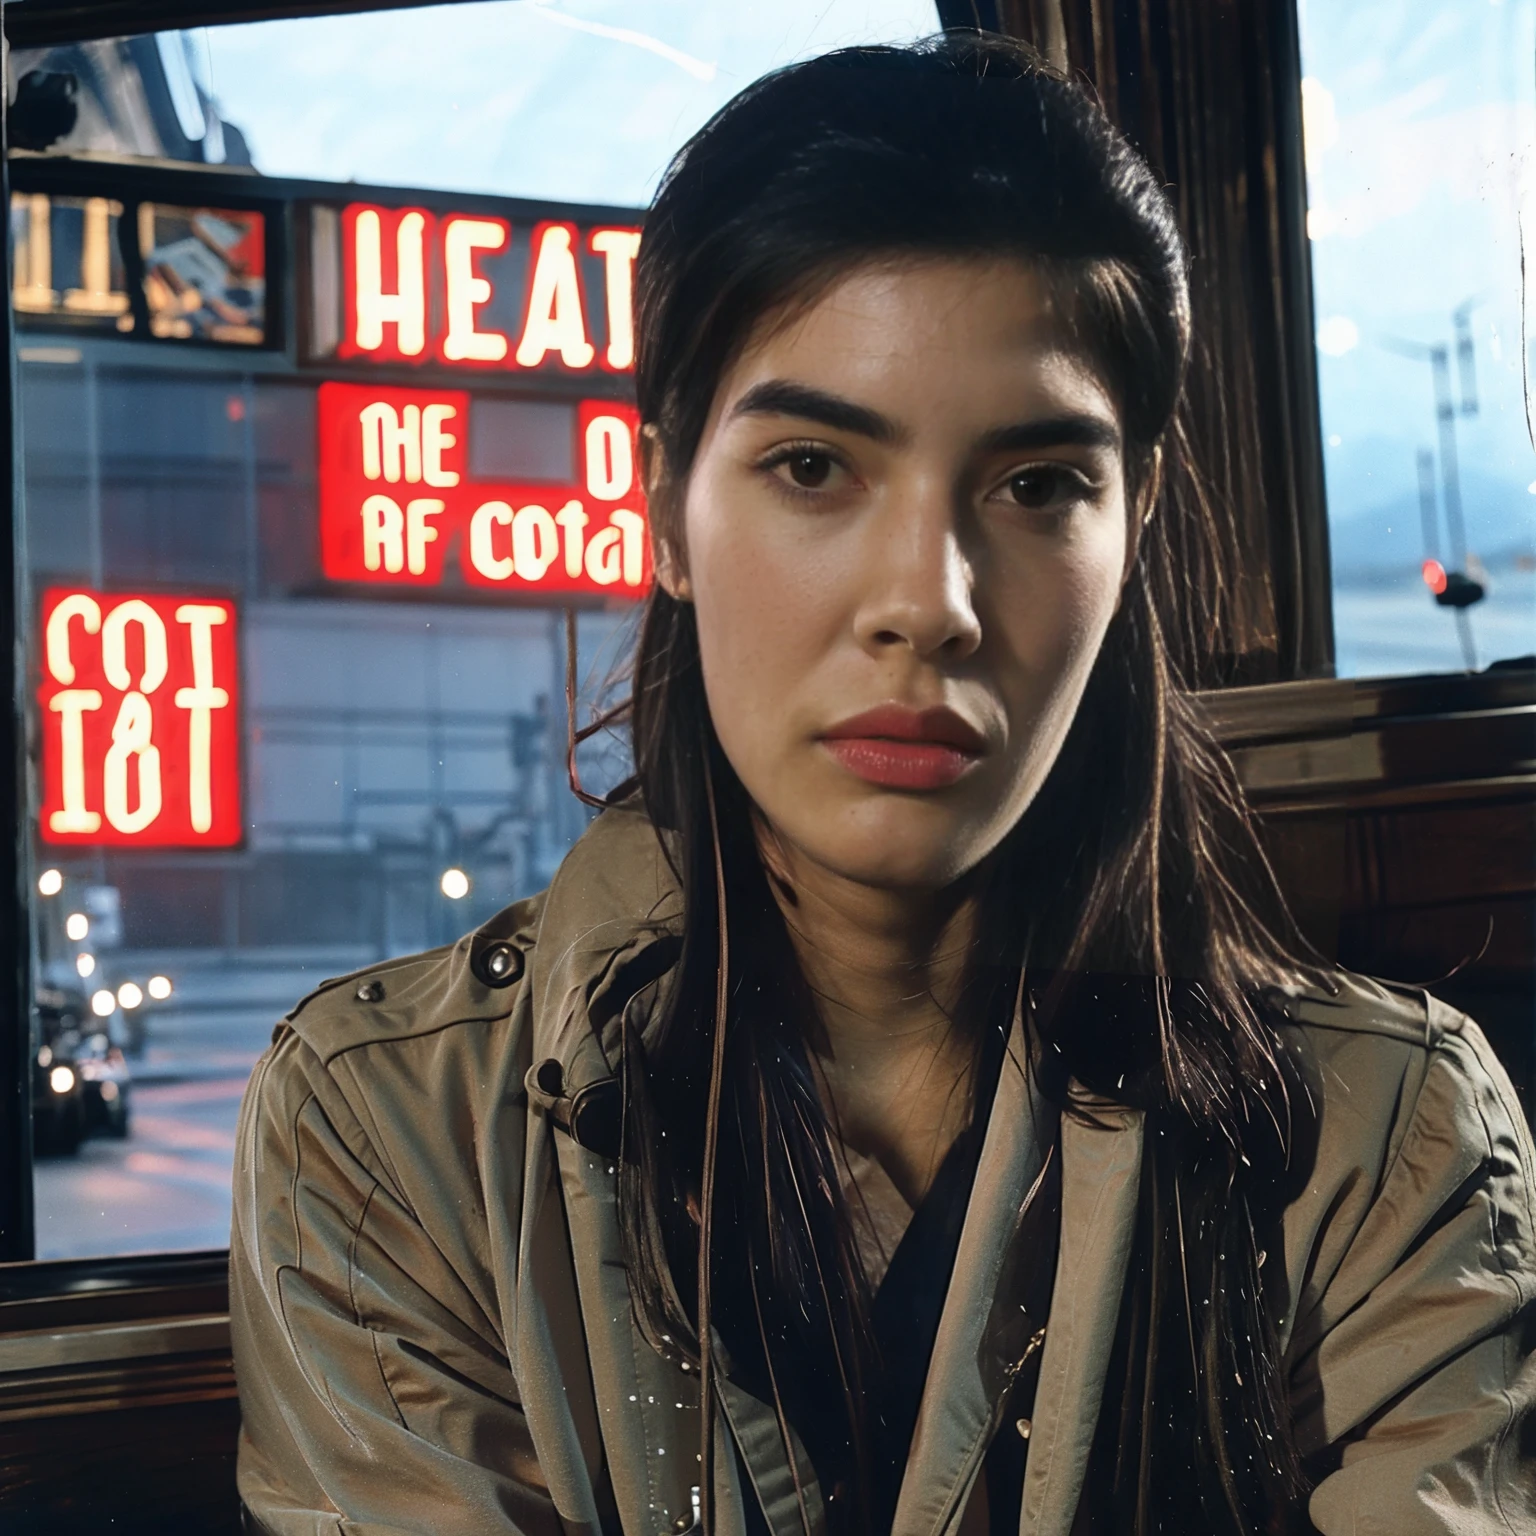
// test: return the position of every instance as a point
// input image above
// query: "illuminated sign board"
(473, 356)
(399, 495)
(202, 271)
(421, 279)
(474, 290)
(139, 716)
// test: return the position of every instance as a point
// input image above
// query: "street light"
(85, 965)
(50, 882)
(76, 926)
(130, 995)
(103, 1004)
(159, 988)
(454, 884)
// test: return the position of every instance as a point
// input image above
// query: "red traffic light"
(1434, 576)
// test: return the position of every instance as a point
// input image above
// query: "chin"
(890, 841)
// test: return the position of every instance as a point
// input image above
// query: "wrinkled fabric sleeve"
(1415, 1387)
(375, 1392)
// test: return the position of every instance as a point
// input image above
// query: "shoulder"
(1386, 1056)
(1415, 1119)
(1363, 1007)
(472, 981)
(606, 888)
(400, 1048)
(389, 1078)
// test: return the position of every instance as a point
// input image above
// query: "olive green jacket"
(432, 1323)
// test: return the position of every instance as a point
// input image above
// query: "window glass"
(312, 475)
(601, 95)
(1419, 118)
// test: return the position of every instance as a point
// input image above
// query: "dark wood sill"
(117, 1397)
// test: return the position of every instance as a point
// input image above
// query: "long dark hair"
(1149, 985)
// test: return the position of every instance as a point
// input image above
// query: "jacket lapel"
(1100, 1171)
(549, 1347)
(647, 1407)
(970, 1370)
(755, 1426)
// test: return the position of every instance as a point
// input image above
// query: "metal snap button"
(1024, 1427)
(684, 1524)
(370, 992)
(501, 964)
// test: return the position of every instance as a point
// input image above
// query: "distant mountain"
(1387, 538)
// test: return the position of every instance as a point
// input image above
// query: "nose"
(919, 591)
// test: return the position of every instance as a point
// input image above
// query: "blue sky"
(581, 100)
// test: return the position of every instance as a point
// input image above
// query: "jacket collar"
(610, 930)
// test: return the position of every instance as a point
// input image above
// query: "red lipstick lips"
(898, 748)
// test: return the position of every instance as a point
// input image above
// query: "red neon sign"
(474, 291)
(396, 500)
(139, 714)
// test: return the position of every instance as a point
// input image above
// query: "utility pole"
(1429, 511)
(1454, 589)
(1466, 356)
(1450, 462)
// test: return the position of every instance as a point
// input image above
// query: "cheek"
(767, 612)
(1050, 616)
(1090, 592)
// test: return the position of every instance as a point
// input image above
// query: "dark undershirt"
(906, 1314)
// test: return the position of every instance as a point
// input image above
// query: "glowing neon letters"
(396, 500)
(140, 733)
(473, 290)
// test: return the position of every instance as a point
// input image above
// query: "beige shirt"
(432, 1324)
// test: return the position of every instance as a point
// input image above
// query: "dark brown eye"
(1035, 488)
(810, 471)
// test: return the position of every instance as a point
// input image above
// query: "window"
(1419, 119)
(323, 429)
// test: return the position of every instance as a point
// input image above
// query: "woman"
(909, 1109)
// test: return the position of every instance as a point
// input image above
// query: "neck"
(880, 962)
(886, 969)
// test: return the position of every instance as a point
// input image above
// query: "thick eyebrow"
(1054, 432)
(782, 397)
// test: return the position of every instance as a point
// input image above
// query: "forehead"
(936, 338)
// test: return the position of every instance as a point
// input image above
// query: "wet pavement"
(166, 1186)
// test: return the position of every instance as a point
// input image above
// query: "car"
(80, 1079)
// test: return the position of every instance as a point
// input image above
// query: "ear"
(669, 558)
(671, 576)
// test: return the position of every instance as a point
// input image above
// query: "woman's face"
(904, 536)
